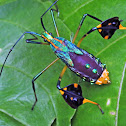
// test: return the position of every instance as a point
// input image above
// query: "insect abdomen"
(86, 66)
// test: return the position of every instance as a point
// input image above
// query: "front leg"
(27, 32)
(36, 77)
(34, 42)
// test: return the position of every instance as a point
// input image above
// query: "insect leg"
(72, 93)
(34, 42)
(44, 14)
(38, 75)
(100, 28)
(121, 27)
(15, 45)
(93, 29)
(81, 22)
(60, 77)
(52, 13)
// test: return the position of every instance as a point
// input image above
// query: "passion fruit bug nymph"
(83, 64)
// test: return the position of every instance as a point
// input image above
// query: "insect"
(79, 61)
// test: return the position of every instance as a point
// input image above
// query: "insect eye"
(45, 40)
(50, 33)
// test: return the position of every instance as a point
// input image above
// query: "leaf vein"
(77, 9)
(110, 45)
(119, 94)
(10, 115)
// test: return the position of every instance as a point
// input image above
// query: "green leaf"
(2, 2)
(122, 100)
(27, 60)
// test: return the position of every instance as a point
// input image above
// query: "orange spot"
(62, 92)
(109, 23)
(100, 30)
(99, 26)
(65, 88)
(106, 37)
(71, 98)
(75, 85)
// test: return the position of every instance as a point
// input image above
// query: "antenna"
(45, 13)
